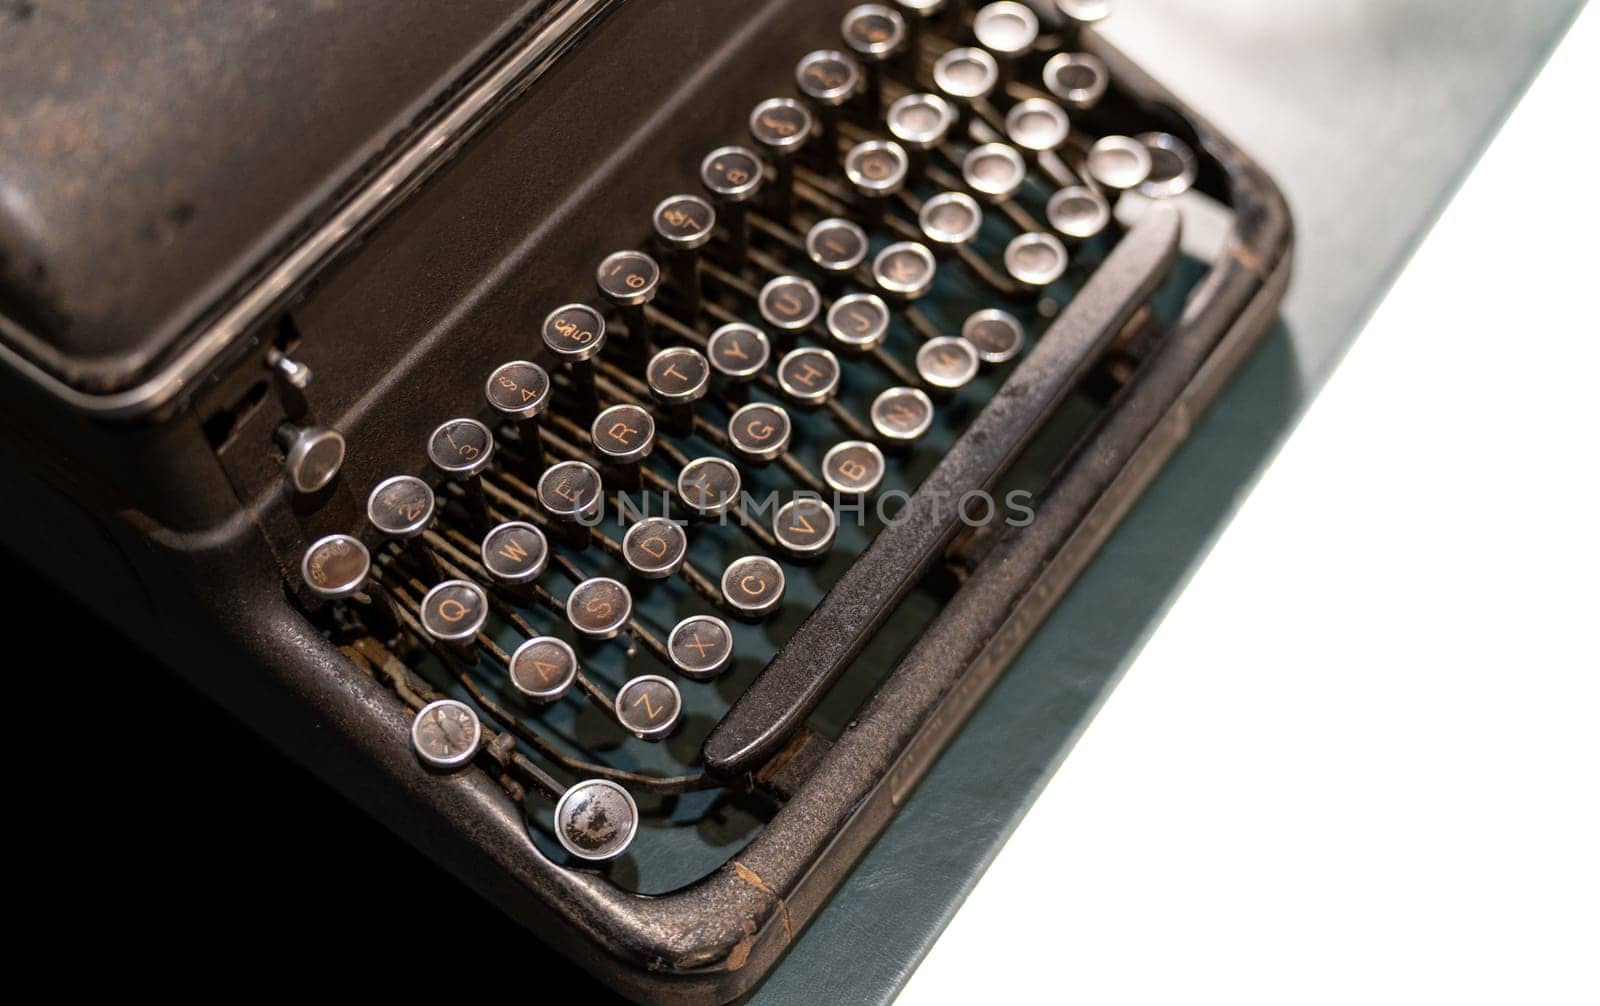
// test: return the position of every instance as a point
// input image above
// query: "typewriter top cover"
(616, 443)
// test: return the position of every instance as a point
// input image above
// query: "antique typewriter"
(616, 443)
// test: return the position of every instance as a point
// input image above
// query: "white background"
(1358, 761)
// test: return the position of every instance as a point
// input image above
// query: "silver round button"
(789, 303)
(996, 334)
(1078, 212)
(1036, 260)
(649, 706)
(902, 414)
(759, 431)
(836, 245)
(966, 74)
(950, 218)
(1037, 124)
(1077, 78)
(859, 322)
(1173, 167)
(599, 607)
(947, 363)
(920, 121)
(805, 527)
(1118, 162)
(335, 566)
(828, 77)
(401, 507)
(446, 734)
(709, 486)
(752, 586)
(313, 459)
(596, 820)
(877, 168)
(738, 351)
(543, 668)
(654, 547)
(701, 646)
(994, 171)
(1006, 28)
(905, 269)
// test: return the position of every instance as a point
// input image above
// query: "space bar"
(795, 680)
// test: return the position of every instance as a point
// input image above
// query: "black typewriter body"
(369, 215)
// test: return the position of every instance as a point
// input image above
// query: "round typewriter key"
(596, 819)
(738, 351)
(996, 334)
(336, 566)
(874, 33)
(453, 613)
(853, 467)
(1084, 11)
(446, 734)
(805, 527)
(709, 486)
(514, 552)
(828, 79)
(947, 363)
(678, 377)
(904, 270)
(543, 668)
(684, 221)
(733, 176)
(789, 303)
(877, 169)
(759, 432)
(901, 415)
(1078, 212)
(629, 280)
(858, 322)
(312, 456)
(520, 391)
(1173, 167)
(836, 246)
(920, 121)
(994, 171)
(574, 334)
(1077, 78)
(701, 646)
(809, 376)
(1118, 163)
(572, 493)
(684, 224)
(623, 436)
(1037, 124)
(781, 126)
(654, 547)
(752, 586)
(462, 449)
(401, 507)
(1007, 29)
(1036, 260)
(649, 706)
(950, 219)
(966, 75)
(599, 607)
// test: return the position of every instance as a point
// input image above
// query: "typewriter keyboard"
(693, 509)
